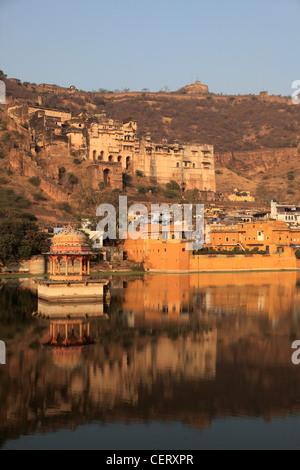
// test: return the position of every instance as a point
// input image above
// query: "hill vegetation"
(230, 123)
(235, 125)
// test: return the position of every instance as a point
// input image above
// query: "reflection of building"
(70, 323)
(154, 378)
(159, 299)
(169, 298)
(70, 308)
(69, 333)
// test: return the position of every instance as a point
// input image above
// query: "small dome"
(69, 235)
(69, 241)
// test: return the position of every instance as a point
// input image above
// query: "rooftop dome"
(69, 240)
(70, 235)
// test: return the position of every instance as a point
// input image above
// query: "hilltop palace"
(115, 147)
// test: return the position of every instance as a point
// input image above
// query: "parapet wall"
(19, 161)
(203, 263)
(35, 265)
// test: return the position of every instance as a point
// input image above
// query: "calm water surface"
(178, 362)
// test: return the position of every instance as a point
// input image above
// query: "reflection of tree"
(16, 304)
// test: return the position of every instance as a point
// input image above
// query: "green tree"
(24, 249)
(16, 236)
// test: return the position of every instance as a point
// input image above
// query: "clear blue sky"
(234, 46)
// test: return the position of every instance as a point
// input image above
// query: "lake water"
(177, 362)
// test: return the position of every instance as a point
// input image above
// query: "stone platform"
(71, 290)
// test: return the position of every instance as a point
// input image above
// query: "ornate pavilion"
(69, 245)
(68, 282)
(70, 297)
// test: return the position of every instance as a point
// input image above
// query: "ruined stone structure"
(195, 89)
(23, 113)
(108, 173)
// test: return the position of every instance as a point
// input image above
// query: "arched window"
(128, 163)
(119, 158)
(94, 154)
(110, 158)
(106, 176)
(177, 165)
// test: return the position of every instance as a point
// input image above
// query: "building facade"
(273, 241)
(118, 146)
(285, 212)
(191, 166)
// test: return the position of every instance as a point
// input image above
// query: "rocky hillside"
(255, 139)
(230, 123)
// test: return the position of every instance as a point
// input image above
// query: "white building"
(94, 235)
(286, 213)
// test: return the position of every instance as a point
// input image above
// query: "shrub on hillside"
(173, 186)
(127, 180)
(72, 179)
(61, 172)
(39, 196)
(171, 194)
(142, 190)
(35, 181)
(65, 206)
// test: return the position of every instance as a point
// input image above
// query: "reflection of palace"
(243, 369)
(175, 297)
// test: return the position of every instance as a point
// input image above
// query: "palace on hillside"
(116, 147)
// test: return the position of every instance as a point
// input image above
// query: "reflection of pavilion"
(71, 324)
(69, 333)
(62, 310)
